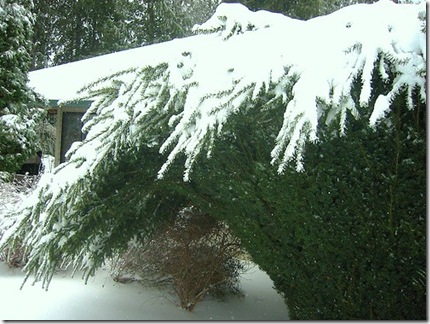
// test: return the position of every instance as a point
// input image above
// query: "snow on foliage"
(203, 80)
(18, 117)
(178, 96)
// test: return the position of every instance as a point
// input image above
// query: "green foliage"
(18, 116)
(345, 239)
(117, 209)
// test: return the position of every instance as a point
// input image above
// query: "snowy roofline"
(63, 82)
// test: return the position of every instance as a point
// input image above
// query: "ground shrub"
(194, 254)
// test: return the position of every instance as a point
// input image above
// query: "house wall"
(69, 127)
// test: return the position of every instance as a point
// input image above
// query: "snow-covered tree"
(303, 135)
(18, 118)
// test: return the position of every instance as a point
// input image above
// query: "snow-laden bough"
(238, 54)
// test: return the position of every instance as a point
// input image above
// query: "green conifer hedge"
(346, 239)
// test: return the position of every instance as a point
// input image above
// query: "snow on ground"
(103, 299)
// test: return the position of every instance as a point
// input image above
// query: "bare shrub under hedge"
(194, 254)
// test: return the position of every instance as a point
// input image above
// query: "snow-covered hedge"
(177, 102)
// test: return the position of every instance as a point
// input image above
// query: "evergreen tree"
(317, 165)
(18, 117)
(44, 17)
(163, 20)
(67, 30)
